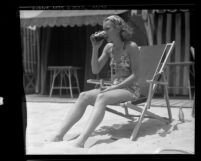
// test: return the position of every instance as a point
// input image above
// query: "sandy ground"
(45, 118)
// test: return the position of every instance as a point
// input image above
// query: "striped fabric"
(169, 27)
(29, 49)
(166, 26)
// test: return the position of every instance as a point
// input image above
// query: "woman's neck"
(118, 44)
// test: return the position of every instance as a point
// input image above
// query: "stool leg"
(53, 80)
(60, 88)
(70, 84)
(65, 84)
(77, 81)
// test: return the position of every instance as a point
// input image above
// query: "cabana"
(60, 37)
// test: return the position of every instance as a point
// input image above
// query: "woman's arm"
(98, 63)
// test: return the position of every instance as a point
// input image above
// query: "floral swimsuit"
(120, 70)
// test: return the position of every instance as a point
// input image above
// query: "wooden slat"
(159, 29)
(178, 51)
(31, 51)
(34, 48)
(118, 113)
(38, 60)
(24, 49)
(168, 39)
(187, 47)
(139, 109)
(175, 102)
(157, 102)
(27, 51)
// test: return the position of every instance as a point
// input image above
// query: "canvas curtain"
(30, 56)
(166, 27)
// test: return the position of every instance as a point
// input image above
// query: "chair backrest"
(152, 61)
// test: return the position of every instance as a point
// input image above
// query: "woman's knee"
(84, 96)
(102, 98)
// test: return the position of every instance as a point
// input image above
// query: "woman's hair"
(126, 31)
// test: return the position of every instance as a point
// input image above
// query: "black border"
(11, 86)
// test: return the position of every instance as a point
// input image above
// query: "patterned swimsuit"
(120, 70)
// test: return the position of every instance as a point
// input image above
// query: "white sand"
(44, 119)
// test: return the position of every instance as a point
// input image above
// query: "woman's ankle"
(57, 137)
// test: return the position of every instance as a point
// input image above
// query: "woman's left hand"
(108, 89)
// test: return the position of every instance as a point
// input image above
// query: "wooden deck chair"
(152, 60)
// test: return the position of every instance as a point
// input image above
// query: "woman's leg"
(103, 99)
(76, 112)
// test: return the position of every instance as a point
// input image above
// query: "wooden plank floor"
(156, 102)
(173, 102)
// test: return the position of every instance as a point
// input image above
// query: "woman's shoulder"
(109, 45)
(132, 44)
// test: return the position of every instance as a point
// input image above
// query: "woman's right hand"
(95, 44)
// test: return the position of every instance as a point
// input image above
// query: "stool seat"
(63, 72)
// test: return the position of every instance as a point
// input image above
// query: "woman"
(124, 55)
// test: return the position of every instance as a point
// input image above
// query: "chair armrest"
(157, 82)
(97, 81)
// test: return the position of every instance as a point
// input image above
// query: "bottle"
(98, 36)
(181, 114)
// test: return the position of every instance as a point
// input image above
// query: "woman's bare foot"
(76, 143)
(72, 136)
(55, 138)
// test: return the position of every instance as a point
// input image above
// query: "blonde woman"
(124, 59)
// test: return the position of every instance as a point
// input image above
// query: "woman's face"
(110, 30)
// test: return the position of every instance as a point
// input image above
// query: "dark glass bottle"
(181, 115)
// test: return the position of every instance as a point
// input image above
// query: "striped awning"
(151, 11)
(51, 18)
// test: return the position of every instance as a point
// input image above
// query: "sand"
(111, 136)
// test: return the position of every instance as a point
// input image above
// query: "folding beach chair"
(153, 61)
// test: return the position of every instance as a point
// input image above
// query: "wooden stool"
(65, 73)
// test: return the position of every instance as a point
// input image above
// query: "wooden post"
(167, 98)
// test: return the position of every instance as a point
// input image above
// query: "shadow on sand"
(148, 127)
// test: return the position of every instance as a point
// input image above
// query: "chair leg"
(137, 127)
(167, 98)
(168, 103)
(146, 106)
